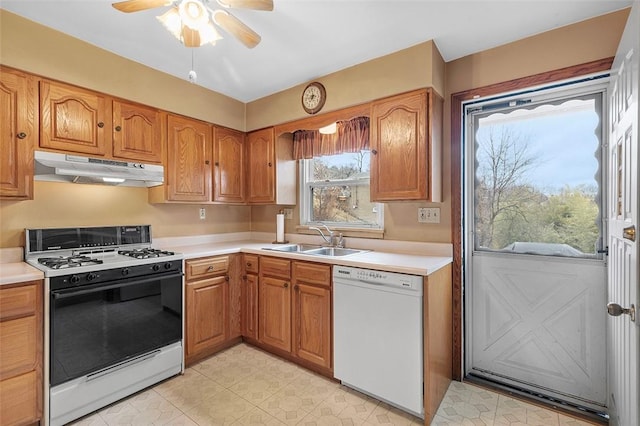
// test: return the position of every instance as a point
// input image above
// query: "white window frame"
(306, 184)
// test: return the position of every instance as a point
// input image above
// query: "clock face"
(313, 98)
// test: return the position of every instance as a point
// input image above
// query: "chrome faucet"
(333, 240)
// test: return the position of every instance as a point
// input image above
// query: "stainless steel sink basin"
(294, 248)
(333, 251)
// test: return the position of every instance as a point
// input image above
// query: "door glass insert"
(537, 177)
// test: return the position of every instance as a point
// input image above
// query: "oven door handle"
(79, 291)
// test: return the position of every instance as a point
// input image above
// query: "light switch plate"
(288, 214)
(429, 214)
(203, 214)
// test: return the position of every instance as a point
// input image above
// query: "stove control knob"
(167, 265)
(156, 267)
(125, 271)
(74, 279)
(91, 276)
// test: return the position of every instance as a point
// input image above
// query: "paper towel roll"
(280, 228)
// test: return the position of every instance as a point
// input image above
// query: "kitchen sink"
(333, 251)
(315, 250)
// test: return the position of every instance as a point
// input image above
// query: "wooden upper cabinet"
(228, 165)
(72, 119)
(261, 160)
(18, 133)
(188, 168)
(405, 147)
(138, 132)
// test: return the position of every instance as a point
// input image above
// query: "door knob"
(629, 233)
(616, 310)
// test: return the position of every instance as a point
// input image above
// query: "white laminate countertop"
(415, 264)
(17, 272)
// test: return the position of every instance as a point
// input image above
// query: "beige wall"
(35, 48)
(58, 204)
(28, 46)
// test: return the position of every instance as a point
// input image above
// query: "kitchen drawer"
(275, 267)
(251, 263)
(18, 340)
(18, 301)
(207, 267)
(312, 273)
(19, 400)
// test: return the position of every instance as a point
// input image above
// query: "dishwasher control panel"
(391, 279)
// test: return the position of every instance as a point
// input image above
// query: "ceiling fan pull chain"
(192, 74)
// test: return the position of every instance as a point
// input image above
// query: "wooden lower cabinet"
(21, 329)
(312, 324)
(250, 306)
(274, 306)
(212, 312)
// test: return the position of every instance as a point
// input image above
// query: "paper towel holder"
(280, 222)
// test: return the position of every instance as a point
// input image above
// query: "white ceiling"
(306, 39)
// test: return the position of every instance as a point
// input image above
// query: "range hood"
(51, 166)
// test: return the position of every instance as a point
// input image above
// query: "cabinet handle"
(206, 162)
(101, 124)
(269, 164)
(21, 135)
(210, 268)
(296, 287)
(286, 285)
(374, 152)
(216, 164)
(249, 265)
(118, 128)
(226, 277)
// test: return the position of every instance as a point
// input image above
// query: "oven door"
(96, 326)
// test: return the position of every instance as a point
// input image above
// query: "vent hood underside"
(55, 167)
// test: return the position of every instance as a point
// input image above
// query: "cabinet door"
(228, 166)
(274, 327)
(72, 119)
(261, 167)
(137, 132)
(207, 318)
(18, 133)
(399, 148)
(312, 324)
(188, 171)
(250, 306)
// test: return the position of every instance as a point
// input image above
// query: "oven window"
(95, 328)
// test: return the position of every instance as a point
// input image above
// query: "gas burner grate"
(63, 262)
(145, 253)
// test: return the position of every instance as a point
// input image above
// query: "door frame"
(457, 179)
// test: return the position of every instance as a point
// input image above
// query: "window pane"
(341, 166)
(344, 204)
(537, 184)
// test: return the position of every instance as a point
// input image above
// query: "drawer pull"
(249, 265)
(22, 135)
(210, 268)
(286, 285)
(226, 277)
(101, 124)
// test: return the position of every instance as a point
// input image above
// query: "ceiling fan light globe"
(193, 14)
(208, 34)
(171, 21)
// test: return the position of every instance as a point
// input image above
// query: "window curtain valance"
(350, 136)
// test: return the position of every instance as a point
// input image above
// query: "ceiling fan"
(191, 21)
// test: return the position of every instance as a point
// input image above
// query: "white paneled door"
(623, 288)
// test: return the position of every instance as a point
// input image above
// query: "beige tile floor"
(246, 386)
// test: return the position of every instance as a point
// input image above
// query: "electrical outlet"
(288, 214)
(429, 215)
(203, 214)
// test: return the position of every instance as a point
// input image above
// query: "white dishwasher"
(377, 337)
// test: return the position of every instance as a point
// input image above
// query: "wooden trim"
(456, 167)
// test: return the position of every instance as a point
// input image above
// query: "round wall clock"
(313, 97)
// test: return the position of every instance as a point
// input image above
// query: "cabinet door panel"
(275, 313)
(72, 119)
(137, 132)
(207, 318)
(18, 338)
(228, 161)
(399, 148)
(261, 167)
(312, 324)
(18, 133)
(19, 401)
(188, 169)
(250, 306)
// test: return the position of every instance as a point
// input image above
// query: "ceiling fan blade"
(234, 26)
(129, 6)
(248, 4)
(190, 37)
